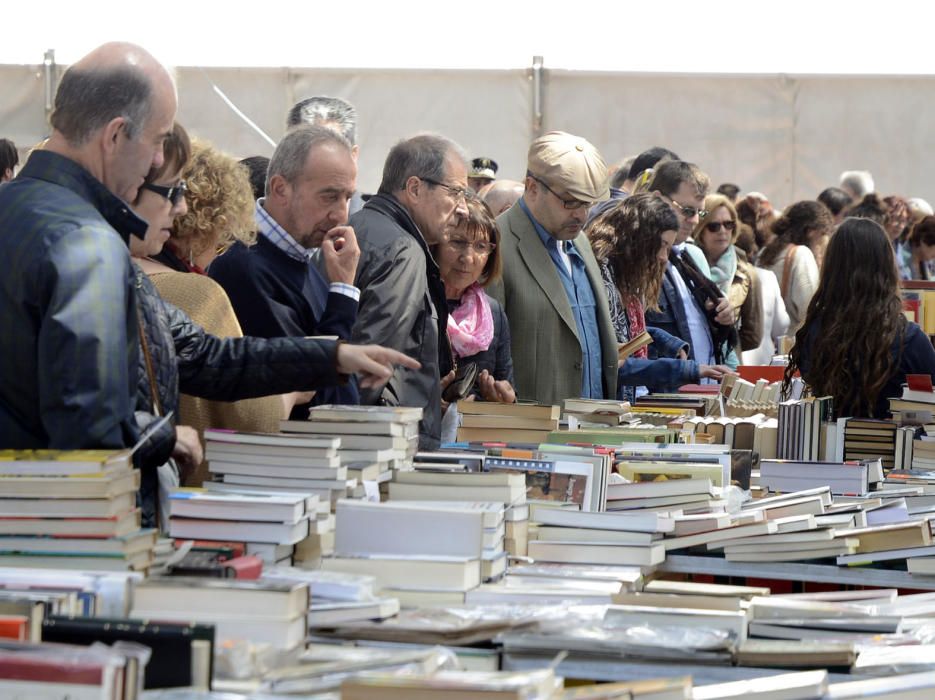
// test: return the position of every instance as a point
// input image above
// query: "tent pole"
(48, 77)
(536, 96)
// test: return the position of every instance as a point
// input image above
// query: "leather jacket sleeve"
(231, 369)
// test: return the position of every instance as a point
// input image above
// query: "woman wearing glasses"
(802, 229)
(716, 233)
(478, 330)
(220, 193)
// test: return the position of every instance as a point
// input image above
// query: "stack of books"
(484, 421)
(374, 439)
(71, 510)
(541, 685)
(597, 412)
(505, 489)
(336, 597)
(270, 522)
(680, 496)
(276, 462)
(270, 612)
(413, 551)
(615, 436)
(786, 475)
(573, 537)
(799, 431)
(864, 438)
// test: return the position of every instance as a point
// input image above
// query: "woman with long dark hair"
(631, 242)
(856, 344)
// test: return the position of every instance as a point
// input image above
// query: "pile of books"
(276, 462)
(680, 496)
(416, 553)
(71, 510)
(573, 537)
(271, 523)
(500, 494)
(484, 421)
(799, 430)
(264, 611)
(374, 439)
(589, 413)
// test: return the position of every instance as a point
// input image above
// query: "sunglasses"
(688, 212)
(715, 226)
(173, 194)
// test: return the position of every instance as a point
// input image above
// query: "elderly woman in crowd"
(716, 233)
(631, 242)
(802, 229)
(468, 260)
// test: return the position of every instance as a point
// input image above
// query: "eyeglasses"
(458, 193)
(173, 194)
(570, 204)
(715, 226)
(481, 249)
(688, 212)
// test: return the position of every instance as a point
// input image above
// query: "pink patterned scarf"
(470, 325)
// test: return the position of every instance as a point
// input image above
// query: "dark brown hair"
(627, 237)
(923, 233)
(176, 151)
(853, 321)
(794, 226)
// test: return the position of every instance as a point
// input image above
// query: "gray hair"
(323, 111)
(88, 99)
(292, 151)
(860, 182)
(422, 156)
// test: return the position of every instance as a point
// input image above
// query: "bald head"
(116, 80)
(114, 108)
(502, 194)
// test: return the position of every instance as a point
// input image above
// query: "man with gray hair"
(403, 303)
(334, 113)
(857, 183)
(274, 288)
(68, 313)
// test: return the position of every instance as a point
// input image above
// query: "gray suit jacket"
(547, 359)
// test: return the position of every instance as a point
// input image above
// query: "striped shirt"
(268, 227)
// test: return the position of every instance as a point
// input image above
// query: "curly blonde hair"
(220, 203)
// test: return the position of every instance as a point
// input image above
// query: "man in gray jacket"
(402, 302)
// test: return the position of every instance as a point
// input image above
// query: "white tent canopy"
(778, 98)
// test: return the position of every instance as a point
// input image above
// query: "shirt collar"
(269, 228)
(59, 170)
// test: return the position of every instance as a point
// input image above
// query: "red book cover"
(51, 668)
(919, 382)
(248, 567)
(13, 627)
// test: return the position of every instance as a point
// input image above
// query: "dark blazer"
(546, 350)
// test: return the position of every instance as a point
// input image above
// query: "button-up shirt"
(68, 331)
(702, 347)
(572, 272)
(268, 226)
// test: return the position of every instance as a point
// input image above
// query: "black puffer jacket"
(187, 359)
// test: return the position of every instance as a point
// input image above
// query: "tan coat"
(207, 304)
(547, 361)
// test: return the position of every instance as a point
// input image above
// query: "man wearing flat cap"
(564, 344)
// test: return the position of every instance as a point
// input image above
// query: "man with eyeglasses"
(690, 306)
(564, 344)
(68, 296)
(402, 303)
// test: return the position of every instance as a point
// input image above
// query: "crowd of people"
(157, 286)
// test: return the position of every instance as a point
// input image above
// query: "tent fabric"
(786, 136)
